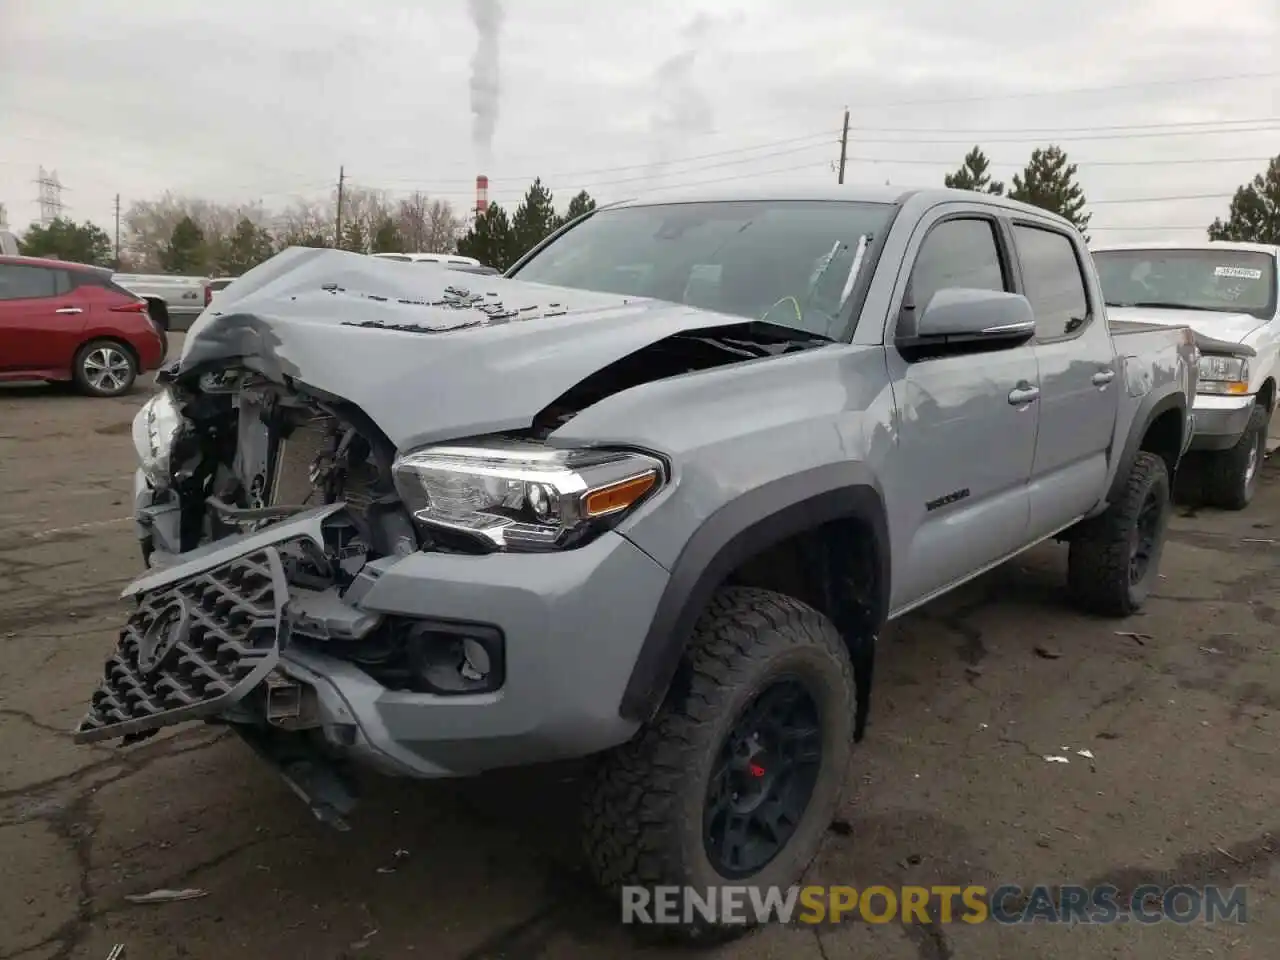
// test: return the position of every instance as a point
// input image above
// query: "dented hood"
(427, 353)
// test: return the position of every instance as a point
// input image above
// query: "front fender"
(753, 522)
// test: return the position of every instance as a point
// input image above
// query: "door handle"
(1023, 394)
(68, 310)
(1103, 377)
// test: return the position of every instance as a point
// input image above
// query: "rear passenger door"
(1078, 377)
(957, 483)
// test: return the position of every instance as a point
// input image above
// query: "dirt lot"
(950, 787)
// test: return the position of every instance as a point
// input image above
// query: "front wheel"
(737, 778)
(1114, 559)
(104, 368)
(1231, 476)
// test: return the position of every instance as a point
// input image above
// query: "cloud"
(245, 100)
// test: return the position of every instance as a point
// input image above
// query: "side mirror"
(966, 318)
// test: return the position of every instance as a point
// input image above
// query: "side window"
(1055, 285)
(957, 253)
(20, 282)
(62, 282)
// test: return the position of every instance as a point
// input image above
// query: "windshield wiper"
(1162, 305)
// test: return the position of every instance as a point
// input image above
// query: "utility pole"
(844, 144)
(337, 239)
(117, 263)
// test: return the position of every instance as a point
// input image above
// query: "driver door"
(957, 485)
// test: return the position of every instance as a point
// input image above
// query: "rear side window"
(83, 278)
(957, 253)
(20, 282)
(1054, 284)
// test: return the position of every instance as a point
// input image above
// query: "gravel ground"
(951, 785)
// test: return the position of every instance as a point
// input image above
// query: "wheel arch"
(159, 312)
(837, 507)
(1157, 428)
(1267, 394)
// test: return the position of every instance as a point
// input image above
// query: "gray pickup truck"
(649, 499)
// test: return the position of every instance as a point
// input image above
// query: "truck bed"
(1206, 345)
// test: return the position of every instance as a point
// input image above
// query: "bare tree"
(426, 225)
(411, 221)
(149, 225)
(306, 223)
(442, 228)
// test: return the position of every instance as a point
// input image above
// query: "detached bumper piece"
(192, 649)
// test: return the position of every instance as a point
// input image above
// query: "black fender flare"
(746, 525)
(1151, 407)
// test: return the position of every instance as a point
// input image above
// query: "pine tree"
(533, 219)
(580, 204)
(1255, 210)
(185, 252)
(353, 237)
(973, 175)
(1049, 182)
(386, 238)
(247, 247)
(490, 239)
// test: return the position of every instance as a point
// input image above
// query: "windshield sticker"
(1240, 273)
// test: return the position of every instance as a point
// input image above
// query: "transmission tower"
(50, 196)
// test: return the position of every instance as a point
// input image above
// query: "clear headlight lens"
(524, 497)
(154, 429)
(1224, 375)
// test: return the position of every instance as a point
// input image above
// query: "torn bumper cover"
(223, 635)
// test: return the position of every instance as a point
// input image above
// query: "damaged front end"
(264, 511)
(347, 504)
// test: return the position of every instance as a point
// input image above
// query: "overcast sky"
(242, 100)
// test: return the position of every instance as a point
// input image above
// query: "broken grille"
(192, 649)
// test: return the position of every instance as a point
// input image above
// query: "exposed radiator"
(298, 456)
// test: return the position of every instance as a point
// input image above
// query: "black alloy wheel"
(763, 780)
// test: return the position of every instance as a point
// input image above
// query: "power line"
(1079, 163)
(1106, 88)
(961, 137)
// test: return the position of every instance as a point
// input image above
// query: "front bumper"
(572, 626)
(1220, 422)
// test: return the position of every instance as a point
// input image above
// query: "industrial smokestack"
(482, 194)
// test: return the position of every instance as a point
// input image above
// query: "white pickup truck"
(173, 302)
(1225, 291)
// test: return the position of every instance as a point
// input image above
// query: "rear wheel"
(737, 778)
(1114, 559)
(1231, 477)
(105, 368)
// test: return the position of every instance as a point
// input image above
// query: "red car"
(69, 321)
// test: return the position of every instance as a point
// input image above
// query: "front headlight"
(1224, 375)
(524, 497)
(154, 429)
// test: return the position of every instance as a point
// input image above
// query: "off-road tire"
(644, 801)
(1098, 561)
(1228, 482)
(116, 352)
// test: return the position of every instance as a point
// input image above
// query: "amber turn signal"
(617, 496)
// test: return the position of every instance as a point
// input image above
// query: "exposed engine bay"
(251, 451)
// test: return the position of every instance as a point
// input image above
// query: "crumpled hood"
(1231, 327)
(427, 353)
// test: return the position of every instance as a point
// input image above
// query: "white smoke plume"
(682, 109)
(486, 86)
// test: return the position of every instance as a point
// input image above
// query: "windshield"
(790, 262)
(1222, 281)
